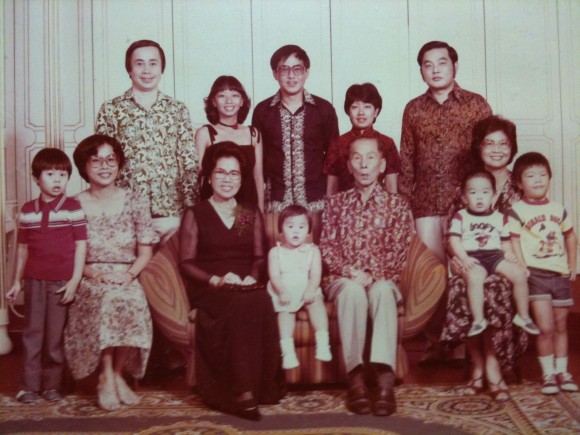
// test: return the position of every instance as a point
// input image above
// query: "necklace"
(234, 126)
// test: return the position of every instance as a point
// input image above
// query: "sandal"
(471, 389)
(501, 394)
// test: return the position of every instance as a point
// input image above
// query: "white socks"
(547, 364)
(561, 364)
(289, 358)
(323, 346)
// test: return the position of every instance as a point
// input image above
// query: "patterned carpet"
(421, 410)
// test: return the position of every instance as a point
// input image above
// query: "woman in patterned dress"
(226, 108)
(222, 257)
(109, 323)
(498, 348)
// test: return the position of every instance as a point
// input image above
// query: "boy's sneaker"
(27, 396)
(477, 328)
(566, 382)
(550, 386)
(52, 395)
(527, 325)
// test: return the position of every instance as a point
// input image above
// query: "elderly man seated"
(366, 233)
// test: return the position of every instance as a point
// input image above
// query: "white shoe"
(527, 325)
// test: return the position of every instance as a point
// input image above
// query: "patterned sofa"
(422, 284)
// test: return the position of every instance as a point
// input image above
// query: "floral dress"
(111, 315)
(509, 342)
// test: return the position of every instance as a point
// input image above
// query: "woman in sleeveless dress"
(222, 258)
(226, 108)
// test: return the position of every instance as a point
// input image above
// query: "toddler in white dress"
(295, 269)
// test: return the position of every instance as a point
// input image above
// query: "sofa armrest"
(423, 282)
(167, 296)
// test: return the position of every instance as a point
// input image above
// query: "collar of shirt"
(363, 132)
(54, 205)
(161, 98)
(308, 98)
(456, 93)
(376, 197)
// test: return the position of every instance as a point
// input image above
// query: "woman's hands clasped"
(231, 279)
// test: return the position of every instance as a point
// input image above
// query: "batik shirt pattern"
(373, 236)
(435, 148)
(161, 158)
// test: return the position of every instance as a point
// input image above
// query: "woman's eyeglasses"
(220, 174)
(96, 162)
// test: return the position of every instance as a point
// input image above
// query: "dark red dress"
(237, 340)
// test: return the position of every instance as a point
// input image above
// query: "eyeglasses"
(96, 162)
(220, 174)
(503, 145)
(298, 70)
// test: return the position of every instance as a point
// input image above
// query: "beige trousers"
(355, 305)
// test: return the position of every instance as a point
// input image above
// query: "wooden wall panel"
(212, 39)
(459, 23)
(523, 75)
(370, 44)
(569, 41)
(303, 22)
(116, 24)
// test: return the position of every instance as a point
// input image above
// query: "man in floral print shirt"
(157, 138)
(366, 233)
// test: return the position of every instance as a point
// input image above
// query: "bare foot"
(127, 396)
(107, 394)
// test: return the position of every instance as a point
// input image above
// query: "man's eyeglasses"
(220, 174)
(110, 161)
(298, 70)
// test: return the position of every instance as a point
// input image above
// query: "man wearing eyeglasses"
(297, 128)
(157, 137)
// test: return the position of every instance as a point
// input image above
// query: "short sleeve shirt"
(541, 227)
(161, 158)
(51, 230)
(480, 231)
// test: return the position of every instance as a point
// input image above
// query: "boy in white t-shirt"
(543, 239)
(480, 239)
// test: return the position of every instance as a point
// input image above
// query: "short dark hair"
(212, 155)
(223, 83)
(437, 44)
(381, 146)
(285, 52)
(291, 211)
(478, 173)
(140, 44)
(526, 161)
(50, 158)
(89, 147)
(490, 125)
(366, 92)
